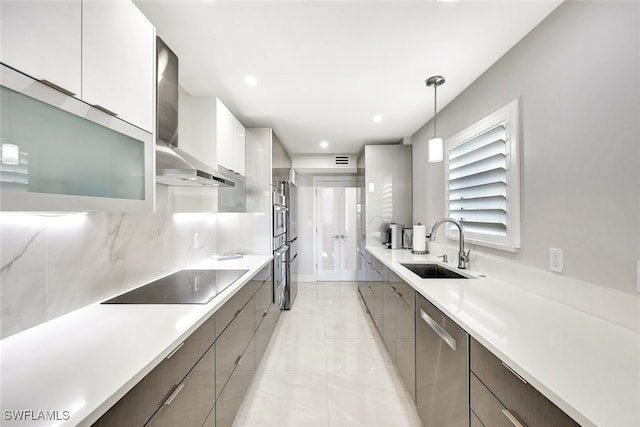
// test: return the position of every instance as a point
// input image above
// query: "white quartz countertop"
(587, 366)
(85, 361)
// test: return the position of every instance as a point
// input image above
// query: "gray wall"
(578, 77)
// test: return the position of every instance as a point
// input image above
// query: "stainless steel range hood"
(174, 166)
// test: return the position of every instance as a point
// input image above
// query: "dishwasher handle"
(448, 339)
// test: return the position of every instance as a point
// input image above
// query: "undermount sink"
(433, 271)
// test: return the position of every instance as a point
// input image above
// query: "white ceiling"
(325, 68)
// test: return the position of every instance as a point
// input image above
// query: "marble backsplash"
(51, 265)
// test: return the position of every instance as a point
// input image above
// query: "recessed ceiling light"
(251, 80)
(377, 118)
(324, 144)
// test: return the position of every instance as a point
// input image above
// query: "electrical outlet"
(555, 260)
(196, 241)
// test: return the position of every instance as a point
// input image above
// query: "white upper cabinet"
(99, 51)
(118, 60)
(239, 142)
(42, 40)
(230, 136)
(224, 136)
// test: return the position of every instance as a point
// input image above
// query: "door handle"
(448, 339)
(56, 87)
(104, 110)
(175, 350)
(173, 395)
(514, 420)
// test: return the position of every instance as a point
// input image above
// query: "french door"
(336, 236)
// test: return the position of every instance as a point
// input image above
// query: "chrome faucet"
(463, 258)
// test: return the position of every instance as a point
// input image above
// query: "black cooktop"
(183, 287)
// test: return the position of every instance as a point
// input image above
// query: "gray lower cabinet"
(203, 381)
(390, 302)
(404, 331)
(391, 306)
(232, 345)
(442, 368)
(190, 402)
(229, 401)
(454, 380)
(499, 395)
(144, 399)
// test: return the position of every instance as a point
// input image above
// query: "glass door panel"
(337, 233)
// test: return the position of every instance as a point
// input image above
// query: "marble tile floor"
(326, 366)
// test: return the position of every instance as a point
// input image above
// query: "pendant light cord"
(435, 111)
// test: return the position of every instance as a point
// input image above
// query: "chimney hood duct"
(174, 166)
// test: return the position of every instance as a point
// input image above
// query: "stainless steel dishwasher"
(442, 368)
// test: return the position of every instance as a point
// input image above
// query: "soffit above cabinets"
(325, 69)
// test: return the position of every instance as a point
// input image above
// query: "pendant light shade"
(436, 144)
(436, 150)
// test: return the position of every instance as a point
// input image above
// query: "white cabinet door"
(224, 134)
(42, 39)
(118, 60)
(239, 147)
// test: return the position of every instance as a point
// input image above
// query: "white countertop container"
(85, 361)
(587, 366)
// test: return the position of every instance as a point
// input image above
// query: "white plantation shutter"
(483, 185)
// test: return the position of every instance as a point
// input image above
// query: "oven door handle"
(281, 251)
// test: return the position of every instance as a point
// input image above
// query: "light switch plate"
(196, 241)
(555, 260)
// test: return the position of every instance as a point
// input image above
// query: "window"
(483, 180)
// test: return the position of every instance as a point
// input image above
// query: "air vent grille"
(342, 160)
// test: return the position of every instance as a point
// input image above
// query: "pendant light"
(436, 145)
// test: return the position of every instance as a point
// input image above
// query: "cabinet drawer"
(406, 347)
(189, 403)
(486, 407)
(229, 401)
(231, 345)
(140, 403)
(474, 420)
(264, 331)
(263, 299)
(513, 392)
(403, 290)
(232, 307)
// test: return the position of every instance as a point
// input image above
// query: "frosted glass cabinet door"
(53, 158)
(118, 60)
(42, 39)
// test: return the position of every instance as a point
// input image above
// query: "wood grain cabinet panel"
(390, 308)
(474, 420)
(142, 401)
(406, 346)
(263, 300)
(231, 345)
(189, 403)
(486, 407)
(515, 394)
(229, 401)
(228, 312)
